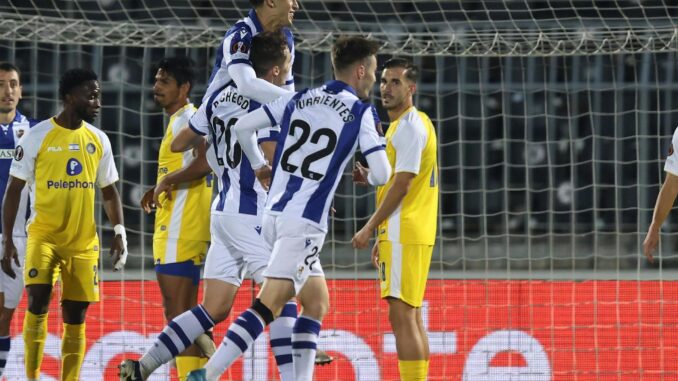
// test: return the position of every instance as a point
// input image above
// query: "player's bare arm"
(198, 168)
(394, 196)
(665, 199)
(185, 140)
(113, 208)
(9, 211)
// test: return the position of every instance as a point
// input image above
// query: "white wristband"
(119, 229)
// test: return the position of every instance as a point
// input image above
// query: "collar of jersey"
(336, 87)
(179, 111)
(255, 20)
(54, 123)
(411, 108)
(17, 118)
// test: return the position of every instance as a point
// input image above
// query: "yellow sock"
(35, 334)
(73, 345)
(186, 364)
(415, 370)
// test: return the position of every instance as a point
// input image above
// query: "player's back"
(319, 132)
(239, 192)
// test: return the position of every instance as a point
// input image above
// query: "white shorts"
(237, 246)
(13, 288)
(296, 249)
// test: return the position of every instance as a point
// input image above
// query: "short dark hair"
(73, 78)
(411, 70)
(179, 67)
(268, 50)
(256, 3)
(8, 66)
(349, 50)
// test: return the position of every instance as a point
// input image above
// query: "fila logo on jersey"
(73, 167)
(53, 149)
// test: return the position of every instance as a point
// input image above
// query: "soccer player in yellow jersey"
(63, 159)
(182, 220)
(405, 219)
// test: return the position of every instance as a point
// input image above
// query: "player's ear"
(276, 70)
(413, 87)
(360, 71)
(185, 88)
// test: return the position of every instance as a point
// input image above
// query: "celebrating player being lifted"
(14, 125)
(317, 139)
(236, 215)
(63, 159)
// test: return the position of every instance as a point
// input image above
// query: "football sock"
(35, 334)
(4, 352)
(281, 340)
(73, 344)
(304, 345)
(415, 370)
(178, 335)
(240, 336)
(186, 364)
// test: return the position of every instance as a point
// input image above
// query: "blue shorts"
(186, 269)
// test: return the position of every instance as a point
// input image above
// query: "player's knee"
(38, 296)
(316, 309)
(218, 311)
(74, 311)
(263, 311)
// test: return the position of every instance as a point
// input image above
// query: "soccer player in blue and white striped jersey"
(232, 61)
(237, 245)
(320, 130)
(14, 125)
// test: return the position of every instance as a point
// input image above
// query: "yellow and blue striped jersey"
(411, 146)
(62, 167)
(187, 215)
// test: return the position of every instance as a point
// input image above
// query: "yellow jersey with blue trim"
(187, 214)
(411, 146)
(62, 168)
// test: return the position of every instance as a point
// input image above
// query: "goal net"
(553, 121)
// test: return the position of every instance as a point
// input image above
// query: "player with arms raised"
(63, 159)
(320, 130)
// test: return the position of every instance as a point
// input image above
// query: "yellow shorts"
(403, 271)
(79, 269)
(171, 250)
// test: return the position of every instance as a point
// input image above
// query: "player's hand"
(362, 238)
(147, 203)
(10, 254)
(160, 188)
(650, 244)
(360, 174)
(119, 252)
(375, 255)
(264, 176)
